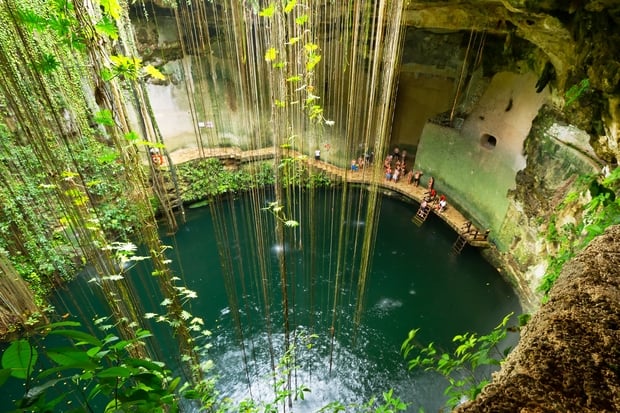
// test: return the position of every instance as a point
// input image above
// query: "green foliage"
(47, 63)
(75, 368)
(299, 54)
(601, 211)
(106, 27)
(268, 11)
(459, 367)
(60, 19)
(278, 212)
(524, 319)
(20, 358)
(91, 368)
(37, 230)
(123, 67)
(576, 91)
(289, 6)
(104, 117)
(208, 178)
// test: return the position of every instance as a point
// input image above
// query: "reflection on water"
(414, 283)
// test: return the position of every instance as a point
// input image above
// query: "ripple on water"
(347, 382)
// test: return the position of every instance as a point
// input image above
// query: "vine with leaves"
(601, 210)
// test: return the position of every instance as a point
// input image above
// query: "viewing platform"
(467, 235)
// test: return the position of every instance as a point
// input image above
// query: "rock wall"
(556, 155)
(568, 357)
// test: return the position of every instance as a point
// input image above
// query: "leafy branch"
(278, 212)
(460, 366)
(599, 212)
(300, 82)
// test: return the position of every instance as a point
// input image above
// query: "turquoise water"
(414, 282)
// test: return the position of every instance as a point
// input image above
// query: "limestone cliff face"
(568, 44)
(578, 38)
(568, 357)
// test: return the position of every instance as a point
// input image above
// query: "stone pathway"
(451, 215)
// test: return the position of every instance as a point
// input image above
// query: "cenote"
(414, 282)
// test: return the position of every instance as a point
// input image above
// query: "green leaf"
(271, 54)
(4, 375)
(313, 60)
(31, 19)
(311, 47)
(106, 27)
(146, 364)
(174, 384)
(301, 20)
(20, 357)
(80, 336)
(106, 74)
(104, 117)
(86, 366)
(112, 7)
(132, 136)
(154, 72)
(64, 324)
(115, 372)
(67, 355)
(107, 157)
(46, 64)
(268, 11)
(125, 66)
(289, 6)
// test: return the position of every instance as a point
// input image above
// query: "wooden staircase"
(421, 215)
(459, 244)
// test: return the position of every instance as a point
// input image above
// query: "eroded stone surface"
(568, 358)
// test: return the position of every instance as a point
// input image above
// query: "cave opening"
(488, 141)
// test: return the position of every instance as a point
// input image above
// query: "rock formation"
(568, 358)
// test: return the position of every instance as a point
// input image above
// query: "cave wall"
(477, 174)
(568, 356)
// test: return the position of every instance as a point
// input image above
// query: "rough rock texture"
(568, 359)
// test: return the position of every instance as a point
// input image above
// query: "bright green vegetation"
(205, 179)
(462, 368)
(34, 224)
(576, 91)
(601, 210)
(109, 374)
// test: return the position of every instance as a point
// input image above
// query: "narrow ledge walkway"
(372, 176)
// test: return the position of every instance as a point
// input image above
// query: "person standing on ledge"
(416, 178)
(431, 183)
(317, 154)
(396, 153)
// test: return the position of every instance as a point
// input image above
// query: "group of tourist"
(362, 161)
(395, 167)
